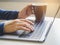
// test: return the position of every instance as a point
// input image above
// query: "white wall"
(18, 5)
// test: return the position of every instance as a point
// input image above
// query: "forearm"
(6, 15)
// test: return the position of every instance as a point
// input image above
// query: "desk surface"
(53, 37)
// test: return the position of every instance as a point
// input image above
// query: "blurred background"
(20, 4)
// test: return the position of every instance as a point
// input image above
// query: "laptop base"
(45, 27)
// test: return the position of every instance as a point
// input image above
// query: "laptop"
(41, 29)
(38, 35)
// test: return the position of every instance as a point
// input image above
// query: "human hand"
(18, 24)
(25, 12)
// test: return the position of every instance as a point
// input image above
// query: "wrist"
(18, 17)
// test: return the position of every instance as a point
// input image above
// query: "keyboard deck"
(38, 30)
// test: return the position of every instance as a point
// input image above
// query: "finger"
(21, 24)
(25, 20)
(26, 25)
(30, 22)
(29, 10)
(30, 27)
(23, 28)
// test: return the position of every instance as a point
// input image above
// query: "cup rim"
(39, 4)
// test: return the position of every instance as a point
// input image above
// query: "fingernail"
(32, 30)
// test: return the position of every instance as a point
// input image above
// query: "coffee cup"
(39, 10)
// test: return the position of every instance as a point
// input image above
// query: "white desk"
(53, 37)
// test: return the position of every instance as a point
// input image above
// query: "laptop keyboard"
(38, 30)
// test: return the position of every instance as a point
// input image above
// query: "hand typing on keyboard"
(18, 24)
